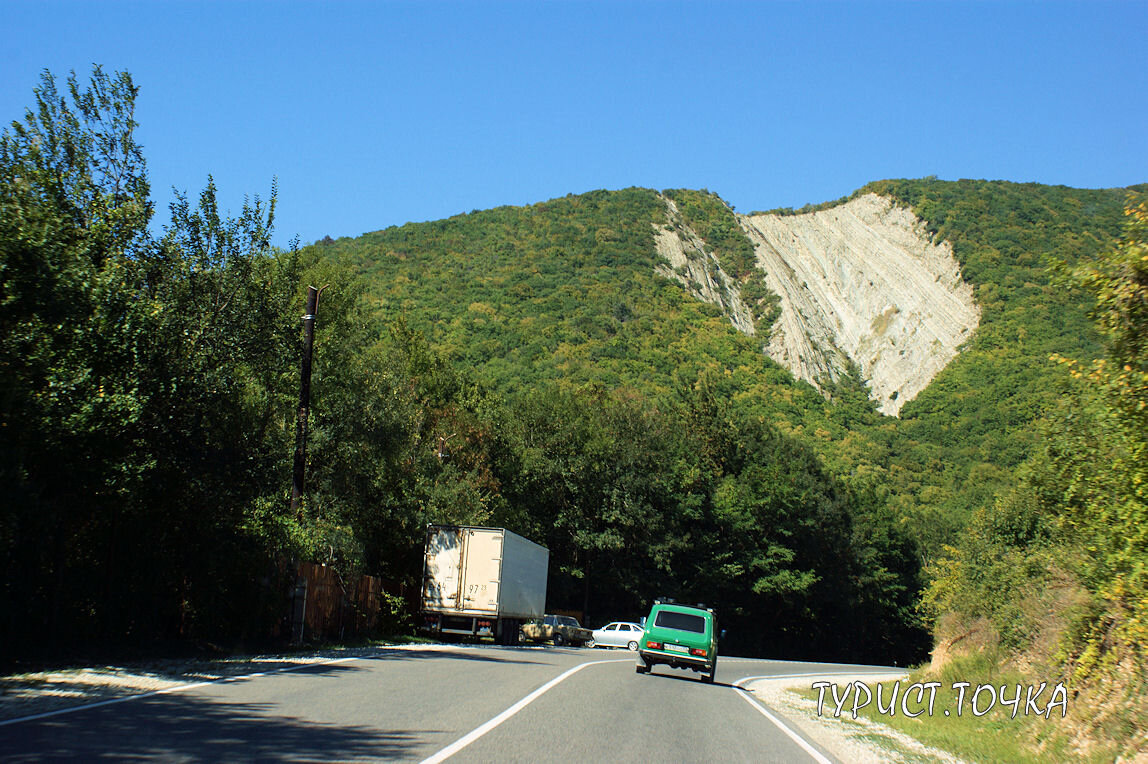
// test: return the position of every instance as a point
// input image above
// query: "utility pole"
(304, 402)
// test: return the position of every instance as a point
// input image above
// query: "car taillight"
(699, 652)
(652, 645)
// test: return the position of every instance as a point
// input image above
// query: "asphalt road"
(465, 704)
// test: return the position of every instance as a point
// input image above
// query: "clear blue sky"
(376, 114)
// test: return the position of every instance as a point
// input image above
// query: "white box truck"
(482, 581)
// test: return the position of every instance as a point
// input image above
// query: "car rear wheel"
(559, 640)
(633, 646)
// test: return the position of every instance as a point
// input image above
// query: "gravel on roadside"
(852, 740)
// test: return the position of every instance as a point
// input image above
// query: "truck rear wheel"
(508, 631)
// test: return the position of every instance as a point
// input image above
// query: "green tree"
(142, 391)
(74, 211)
(1059, 565)
(1096, 474)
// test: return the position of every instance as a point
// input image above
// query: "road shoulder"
(30, 694)
(853, 740)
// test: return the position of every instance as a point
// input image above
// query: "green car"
(680, 636)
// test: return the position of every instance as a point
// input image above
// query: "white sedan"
(618, 634)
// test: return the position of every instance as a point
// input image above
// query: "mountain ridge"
(575, 291)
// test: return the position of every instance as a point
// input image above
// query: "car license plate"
(677, 649)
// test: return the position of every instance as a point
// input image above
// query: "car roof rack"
(672, 601)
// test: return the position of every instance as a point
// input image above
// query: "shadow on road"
(696, 679)
(183, 728)
(502, 655)
(27, 695)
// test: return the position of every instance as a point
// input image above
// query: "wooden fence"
(324, 607)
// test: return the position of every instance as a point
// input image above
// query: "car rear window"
(668, 619)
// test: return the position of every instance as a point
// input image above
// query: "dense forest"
(149, 395)
(566, 291)
(527, 367)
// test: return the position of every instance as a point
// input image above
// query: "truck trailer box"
(482, 581)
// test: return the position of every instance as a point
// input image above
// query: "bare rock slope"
(698, 270)
(860, 283)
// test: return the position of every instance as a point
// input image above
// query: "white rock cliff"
(860, 282)
(698, 270)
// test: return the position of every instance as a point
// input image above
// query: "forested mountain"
(593, 372)
(575, 290)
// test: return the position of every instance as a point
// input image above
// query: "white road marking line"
(169, 691)
(748, 698)
(221, 680)
(821, 673)
(478, 732)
